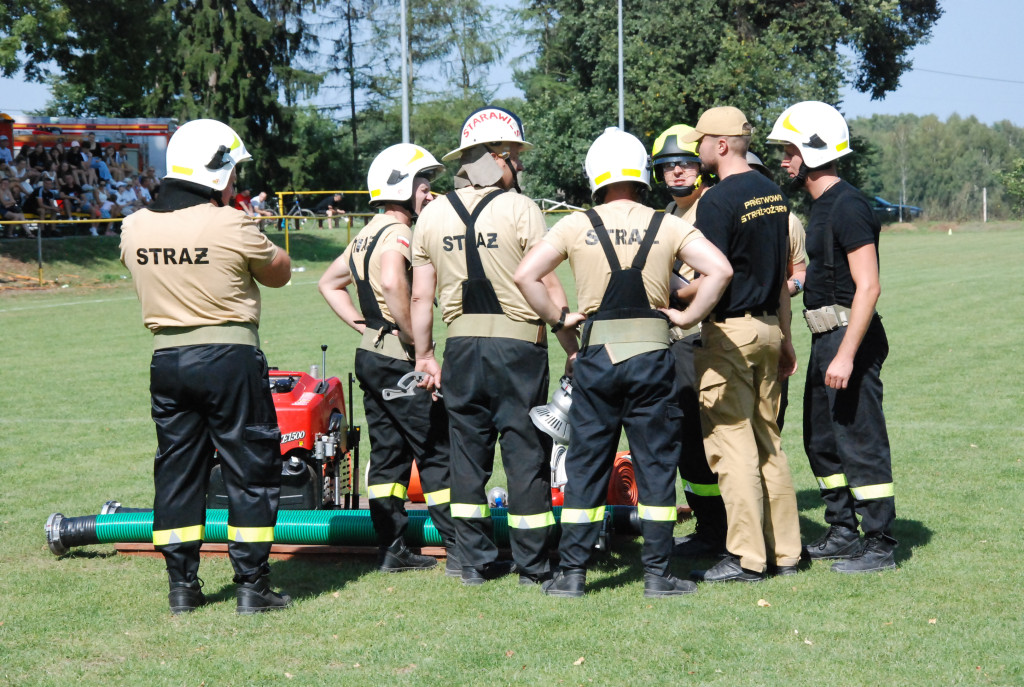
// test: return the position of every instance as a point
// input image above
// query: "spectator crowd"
(85, 179)
(77, 180)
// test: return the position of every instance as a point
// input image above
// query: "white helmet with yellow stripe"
(391, 174)
(817, 129)
(616, 156)
(204, 151)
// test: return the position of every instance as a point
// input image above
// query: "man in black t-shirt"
(43, 201)
(844, 427)
(329, 207)
(745, 350)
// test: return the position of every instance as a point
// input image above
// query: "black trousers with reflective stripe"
(845, 432)
(693, 462)
(639, 394)
(209, 397)
(489, 386)
(401, 430)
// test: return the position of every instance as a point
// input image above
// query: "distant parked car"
(890, 212)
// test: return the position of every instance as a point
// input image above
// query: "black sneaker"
(475, 576)
(398, 558)
(666, 585)
(186, 597)
(875, 555)
(566, 584)
(837, 543)
(727, 570)
(258, 597)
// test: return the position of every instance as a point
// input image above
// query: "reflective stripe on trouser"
(236, 418)
(700, 484)
(702, 489)
(738, 366)
(250, 534)
(845, 434)
(531, 522)
(639, 394)
(832, 481)
(179, 535)
(489, 385)
(401, 430)
(383, 491)
(438, 498)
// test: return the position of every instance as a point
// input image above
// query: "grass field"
(75, 432)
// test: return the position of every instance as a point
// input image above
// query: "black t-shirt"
(747, 218)
(328, 202)
(853, 225)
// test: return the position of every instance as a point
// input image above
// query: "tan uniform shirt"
(574, 238)
(396, 237)
(193, 267)
(689, 216)
(797, 239)
(508, 227)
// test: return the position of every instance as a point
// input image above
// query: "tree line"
(256, 64)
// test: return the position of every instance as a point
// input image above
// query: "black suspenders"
(372, 314)
(478, 296)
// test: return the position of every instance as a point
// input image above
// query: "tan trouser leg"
(738, 366)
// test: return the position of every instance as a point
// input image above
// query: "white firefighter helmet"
(204, 151)
(817, 129)
(391, 174)
(493, 125)
(616, 156)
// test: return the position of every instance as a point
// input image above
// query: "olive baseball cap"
(719, 121)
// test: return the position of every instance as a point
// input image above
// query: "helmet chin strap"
(515, 176)
(682, 191)
(797, 182)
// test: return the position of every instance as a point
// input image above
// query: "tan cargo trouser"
(737, 366)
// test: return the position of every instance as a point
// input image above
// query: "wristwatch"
(557, 326)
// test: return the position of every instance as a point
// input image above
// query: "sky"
(971, 66)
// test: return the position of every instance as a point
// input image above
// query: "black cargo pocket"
(264, 444)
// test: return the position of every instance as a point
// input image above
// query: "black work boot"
(875, 555)
(727, 570)
(708, 539)
(566, 583)
(452, 564)
(472, 576)
(186, 597)
(839, 542)
(666, 585)
(258, 597)
(398, 558)
(526, 578)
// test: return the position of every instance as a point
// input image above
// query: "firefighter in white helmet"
(403, 428)
(845, 434)
(622, 253)
(195, 262)
(466, 247)
(677, 166)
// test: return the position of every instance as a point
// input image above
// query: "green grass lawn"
(75, 432)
